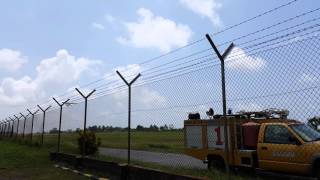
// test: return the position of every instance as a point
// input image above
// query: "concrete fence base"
(115, 170)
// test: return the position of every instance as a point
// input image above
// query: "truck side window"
(277, 134)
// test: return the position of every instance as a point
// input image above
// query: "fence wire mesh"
(267, 73)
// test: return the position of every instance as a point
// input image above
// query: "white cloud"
(128, 72)
(146, 96)
(142, 97)
(109, 18)
(63, 68)
(14, 91)
(308, 78)
(240, 60)
(53, 74)
(155, 32)
(205, 8)
(11, 59)
(98, 26)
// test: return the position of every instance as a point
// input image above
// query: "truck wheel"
(216, 163)
(316, 170)
(210, 164)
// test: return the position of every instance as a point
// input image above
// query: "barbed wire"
(178, 59)
(190, 44)
(274, 25)
(235, 52)
(192, 66)
(158, 66)
(209, 63)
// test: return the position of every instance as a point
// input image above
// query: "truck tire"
(215, 162)
(316, 169)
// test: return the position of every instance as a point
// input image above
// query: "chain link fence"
(272, 72)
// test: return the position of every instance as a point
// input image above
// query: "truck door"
(280, 150)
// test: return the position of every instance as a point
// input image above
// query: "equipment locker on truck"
(264, 140)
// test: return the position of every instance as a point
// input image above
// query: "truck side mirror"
(294, 140)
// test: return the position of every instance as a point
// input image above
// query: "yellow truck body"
(296, 154)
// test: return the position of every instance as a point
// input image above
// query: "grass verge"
(24, 162)
(21, 161)
(162, 141)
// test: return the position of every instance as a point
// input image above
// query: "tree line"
(312, 122)
(99, 128)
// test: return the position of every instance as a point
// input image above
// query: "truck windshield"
(305, 132)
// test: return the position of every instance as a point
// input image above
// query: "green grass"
(151, 141)
(168, 141)
(23, 162)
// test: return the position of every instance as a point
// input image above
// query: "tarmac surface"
(166, 159)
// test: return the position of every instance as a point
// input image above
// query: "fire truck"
(264, 140)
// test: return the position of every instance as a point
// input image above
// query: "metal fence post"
(5, 127)
(85, 116)
(24, 123)
(5, 133)
(8, 128)
(129, 110)
(18, 119)
(43, 120)
(2, 125)
(1, 128)
(60, 118)
(224, 99)
(32, 122)
(12, 127)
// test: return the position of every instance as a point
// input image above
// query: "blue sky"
(39, 28)
(97, 36)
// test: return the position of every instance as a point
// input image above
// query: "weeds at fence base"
(88, 143)
(18, 161)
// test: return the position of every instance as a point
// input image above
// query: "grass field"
(168, 141)
(23, 162)
(19, 160)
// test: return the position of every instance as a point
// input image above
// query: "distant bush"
(90, 142)
(53, 131)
